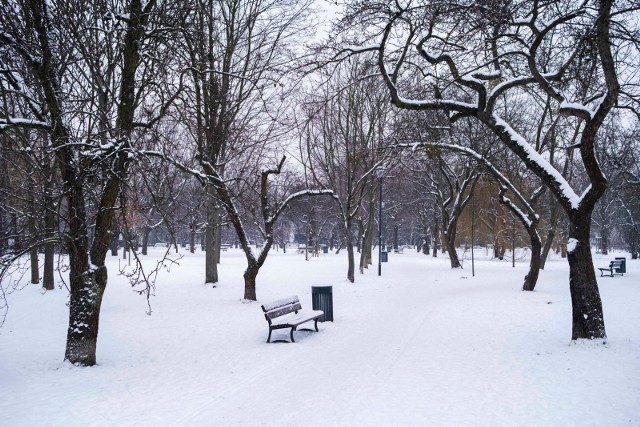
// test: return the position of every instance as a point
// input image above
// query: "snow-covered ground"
(423, 345)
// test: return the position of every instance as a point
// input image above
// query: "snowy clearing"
(421, 345)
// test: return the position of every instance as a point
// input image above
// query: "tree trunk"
(436, 234)
(367, 243)
(217, 234)
(192, 238)
(115, 233)
(450, 241)
(453, 254)
(360, 235)
(49, 229)
(352, 262)
(33, 251)
(395, 234)
(250, 275)
(588, 318)
(33, 230)
(531, 278)
(211, 266)
(87, 290)
(145, 240)
(548, 243)
(605, 240)
(350, 255)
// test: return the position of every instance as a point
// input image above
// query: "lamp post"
(380, 174)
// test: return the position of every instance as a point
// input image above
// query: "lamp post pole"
(380, 172)
(473, 213)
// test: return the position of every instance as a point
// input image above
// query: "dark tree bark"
(531, 279)
(588, 320)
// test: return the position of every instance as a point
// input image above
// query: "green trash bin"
(322, 299)
(623, 267)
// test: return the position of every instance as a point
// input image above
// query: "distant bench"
(286, 313)
(224, 247)
(615, 267)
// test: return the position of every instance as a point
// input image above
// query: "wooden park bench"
(615, 267)
(287, 313)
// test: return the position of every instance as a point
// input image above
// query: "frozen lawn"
(421, 345)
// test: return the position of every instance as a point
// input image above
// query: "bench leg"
(269, 338)
(316, 325)
(292, 329)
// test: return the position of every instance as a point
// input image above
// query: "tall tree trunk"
(33, 251)
(588, 318)
(553, 224)
(145, 240)
(33, 256)
(32, 228)
(367, 244)
(250, 275)
(453, 254)
(436, 237)
(395, 234)
(49, 229)
(350, 252)
(450, 241)
(531, 278)
(217, 234)
(115, 233)
(192, 237)
(84, 314)
(87, 284)
(211, 265)
(360, 234)
(605, 240)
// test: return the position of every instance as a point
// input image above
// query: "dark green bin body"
(322, 299)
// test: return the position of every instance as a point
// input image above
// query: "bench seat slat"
(282, 311)
(294, 319)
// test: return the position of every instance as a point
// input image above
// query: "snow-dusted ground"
(421, 345)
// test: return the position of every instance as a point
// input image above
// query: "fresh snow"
(422, 345)
(536, 157)
(572, 244)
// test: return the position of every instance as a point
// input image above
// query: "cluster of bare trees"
(121, 118)
(569, 63)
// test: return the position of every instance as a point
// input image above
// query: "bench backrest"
(281, 307)
(615, 264)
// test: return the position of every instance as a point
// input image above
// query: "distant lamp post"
(380, 174)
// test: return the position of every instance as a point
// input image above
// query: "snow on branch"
(540, 165)
(19, 122)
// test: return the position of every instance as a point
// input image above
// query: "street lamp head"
(380, 171)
